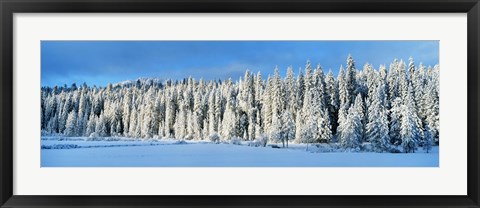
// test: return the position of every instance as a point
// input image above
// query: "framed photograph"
(243, 104)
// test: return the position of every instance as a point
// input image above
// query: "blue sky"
(102, 62)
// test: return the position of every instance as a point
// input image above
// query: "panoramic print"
(240, 103)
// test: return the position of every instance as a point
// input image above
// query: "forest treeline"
(394, 108)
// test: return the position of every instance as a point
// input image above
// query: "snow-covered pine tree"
(382, 80)
(219, 108)
(300, 92)
(247, 92)
(362, 81)
(320, 87)
(409, 131)
(138, 130)
(198, 116)
(190, 126)
(342, 119)
(181, 120)
(395, 121)
(350, 137)
(411, 68)
(50, 112)
(308, 79)
(377, 127)
(148, 121)
(258, 90)
(252, 125)
(242, 123)
(333, 103)
(288, 127)
(133, 124)
(267, 105)
(127, 102)
(350, 78)
(290, 91)
(419, 83)
(160, 106)
(70, 129)
(116, 120)
(309, 130)
(170, 112)
(277, 96)
(343, 93)
(275, 132)
(67, 107)
(91, 126)
(82, 113)
(372, 80)
(393, 81)
(315, 105)
(100, 127)
(403, 80)
(360, 109)
(431, 104)
(212, 118)
(428, 139)
(43, 121)
(324, 128)
(229, 123)
(298, 126)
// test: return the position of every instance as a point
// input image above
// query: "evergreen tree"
(212, 118)
(100, 126)
(411, 68)
(181, 120)
(309, 130)
(343, 93)
(290, 91)
(230, 119)
(432, 106)
(300, 92)
(342, 119)
(333, 103)
(91, 125)
(276, 133)
(377, 126)
(82, 118)
(393, 80)
(360, 109)
(395, 122)
(70, 129)
(428, 139)
(351, 131)
(252, 126)
(198, 116)
(133, 124)
(288, 127)
(267, 105)
(324, 128)
(409, 131)
(350, 78)
(170, 113)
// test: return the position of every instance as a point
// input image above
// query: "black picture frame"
(9, 7)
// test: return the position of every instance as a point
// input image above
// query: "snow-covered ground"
(80, 152)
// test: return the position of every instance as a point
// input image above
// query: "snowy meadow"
(361, 118)
(124, 152)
